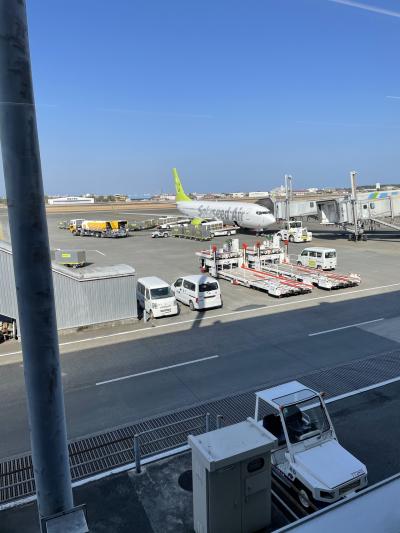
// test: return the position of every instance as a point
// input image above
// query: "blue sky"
(234, 93)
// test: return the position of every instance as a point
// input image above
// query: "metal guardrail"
(113, 449)
(107, 451)
(139, 440)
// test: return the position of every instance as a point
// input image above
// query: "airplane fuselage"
(245, 215)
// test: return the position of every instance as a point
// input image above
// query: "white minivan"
(198, 292)
(320, 258)
(156, 298)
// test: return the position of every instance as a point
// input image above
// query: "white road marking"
(213, 317)
(172, 452)
(363, 389)
(98, 251)
(157, 370)
(345, 327)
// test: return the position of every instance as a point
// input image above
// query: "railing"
(139, 439)
(105, 452)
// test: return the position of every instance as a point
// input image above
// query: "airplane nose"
(269, 219)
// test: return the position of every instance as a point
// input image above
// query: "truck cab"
(75, 225)
(308, 455)
(293, 231)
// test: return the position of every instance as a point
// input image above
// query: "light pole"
(33, 276)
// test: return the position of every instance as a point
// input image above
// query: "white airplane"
(242, 214)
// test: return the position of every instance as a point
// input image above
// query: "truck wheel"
(304, 498)
(165, 235)
(212, 235)
(291, 238)
(191, 305)
(299, 263)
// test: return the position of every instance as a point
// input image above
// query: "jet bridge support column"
(353, 175)
(33, 277)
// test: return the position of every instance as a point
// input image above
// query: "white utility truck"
(293, 231)
(308, 455)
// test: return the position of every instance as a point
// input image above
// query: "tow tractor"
(160, 233)
(308, 456)
(293, 231)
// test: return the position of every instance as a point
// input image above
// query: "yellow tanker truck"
(103, 228)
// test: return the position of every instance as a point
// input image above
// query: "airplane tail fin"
(180, 194)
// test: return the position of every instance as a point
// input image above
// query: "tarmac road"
(133, 375)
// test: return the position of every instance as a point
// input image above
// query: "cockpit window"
(262, 213)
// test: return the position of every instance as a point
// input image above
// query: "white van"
(156, 298)
(198, 292)
(321, 258)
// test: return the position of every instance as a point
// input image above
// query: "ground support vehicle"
(63, 224)
(75, 225)
(164, 222)
(264, 281)
(319, 258)
(159, 233)
(198, 292)
(231, 255)
(293, 231)
(173, 222)
(308, 455)
(262, 254)
(7, 330)
(141, 225)
(104, 228)
(319, 278)
(156, 298)
(69, 258)
(218, 229)
(245, 267)
(197, 233)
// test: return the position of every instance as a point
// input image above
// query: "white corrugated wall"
(80, 301)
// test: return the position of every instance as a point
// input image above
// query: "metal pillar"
(31, 257)
(353, 175)
(288, 193)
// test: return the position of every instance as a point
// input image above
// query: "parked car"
(156, 298)
(316, 257)
(198, 291)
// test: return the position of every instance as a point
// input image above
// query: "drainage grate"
(112, 449)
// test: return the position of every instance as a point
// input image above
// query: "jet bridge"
(369, 211)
